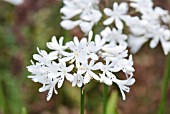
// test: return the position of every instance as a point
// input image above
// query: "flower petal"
(108, 21)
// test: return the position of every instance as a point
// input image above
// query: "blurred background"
(31, 24)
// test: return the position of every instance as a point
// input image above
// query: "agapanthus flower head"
(150, 26)
(135, 27)
(78, 62)
(87, 11)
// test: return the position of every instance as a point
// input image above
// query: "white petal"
(37, 57)
(60, 82)
(115, 6)
(96, 77)
(86, 26)
(69, 77)
(80, 81)
(108, 21)
(135, 43)
(107, 81)
(76, 41)
(75, 80)
(87, 78)
(50, 93)
(130, 81)
(108, 12)
(69, 13)
(44, 88)
(166, 47)
(154, 42)
(129, 69)
(90, 36)
(119, 24)
(68, 24)
(123, 7)
(70, 68)
(61, 41)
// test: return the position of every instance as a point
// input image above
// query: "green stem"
(2, 99)
(82, 101)
(105, 95)
(165, 86)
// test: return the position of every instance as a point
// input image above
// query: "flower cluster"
(80, 61)
(133, 23)
(139, 19)
(150, 26)
(87, 11)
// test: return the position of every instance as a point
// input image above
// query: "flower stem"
(105, 94)
(165, 86)
(82, 101)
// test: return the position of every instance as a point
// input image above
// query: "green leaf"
(112, 103)
(11, 95)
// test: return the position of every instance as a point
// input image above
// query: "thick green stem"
(105, 95)
(81, 100)
(165, 86)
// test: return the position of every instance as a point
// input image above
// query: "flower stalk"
(165, 86)
(105, 95)
(81, 100)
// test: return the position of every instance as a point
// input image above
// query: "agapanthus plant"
(80, 61)
(126, 24)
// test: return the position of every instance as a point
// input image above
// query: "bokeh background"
(31, 25)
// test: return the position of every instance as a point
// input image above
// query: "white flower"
(78, 51)
(108, 77)
(87, 69)
(63, 71)
(142, 5)
(163, 35)
(99, 42)
(123, 84)
(46, 76)
(79, 62)
(50, 75)
(117, 14)
(44, 57)
(126, 66)
(86, 9)
(78, 80)
(57, 46)
(114, 36)
(15, 2)
(81, 50)
(149, 28)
